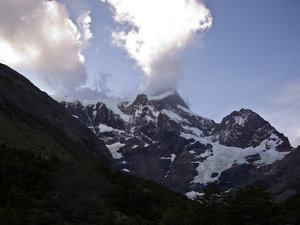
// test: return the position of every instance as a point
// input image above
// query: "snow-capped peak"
(145, 134)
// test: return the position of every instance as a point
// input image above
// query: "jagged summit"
(141, 99)
(164, 100)
(161, 139)
(168, 100)
(246, 128)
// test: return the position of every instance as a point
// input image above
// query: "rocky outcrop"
(159, 138)
(245, 128)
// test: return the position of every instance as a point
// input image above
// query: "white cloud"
(40, 36)
(86, 93)
(83, 22)
(153, 31)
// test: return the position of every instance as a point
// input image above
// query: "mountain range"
(114, 162)
(160, 139)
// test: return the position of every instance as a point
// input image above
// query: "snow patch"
(188, 136)
(203, 140)
(223, 157)
(172, 115)
(193, 194)
(240, 120)
(105, 128)
(194, 130)
(173, 156)
(138, 111)
(114, 148)
(113, 106)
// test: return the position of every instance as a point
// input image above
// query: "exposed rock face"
(160, 139)
(284, 176)
(93, 115)
(245, 129)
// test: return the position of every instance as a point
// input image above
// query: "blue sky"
(248, 58)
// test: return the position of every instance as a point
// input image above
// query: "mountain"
(54, 170)
(160, 139)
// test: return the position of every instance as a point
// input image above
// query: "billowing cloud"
(153, 31)
(40, 36)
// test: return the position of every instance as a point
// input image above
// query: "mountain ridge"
(161, 139)
(50, 177)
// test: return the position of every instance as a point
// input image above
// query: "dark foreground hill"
(54, 170)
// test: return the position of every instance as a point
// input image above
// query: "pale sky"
(221, 55)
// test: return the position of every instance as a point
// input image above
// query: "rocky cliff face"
(159, 138)
(245, 129)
